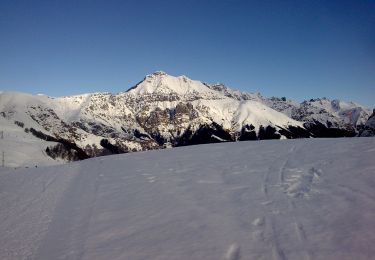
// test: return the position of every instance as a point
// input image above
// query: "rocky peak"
(218, 86)
(160, 84)
(372, 116)
(369, 128)
(158, 73)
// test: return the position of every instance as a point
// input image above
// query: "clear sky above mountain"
(298, 49)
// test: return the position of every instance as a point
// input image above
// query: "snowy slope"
(235, 115)
(21, 149)
(237, 201)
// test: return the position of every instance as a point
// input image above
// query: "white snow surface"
(21, 149)
(288, 199)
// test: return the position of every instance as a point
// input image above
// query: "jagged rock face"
(248, 133)
(323, 117)
(235, 94)
(166, 125)
(284, 106)
(162, 111)
(205, 134)
(369, 128)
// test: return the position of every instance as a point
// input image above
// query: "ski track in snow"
(223, 201)
(71, 220)
(272, 221)
(298, 187)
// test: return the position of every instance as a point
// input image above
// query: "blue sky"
(298, 49)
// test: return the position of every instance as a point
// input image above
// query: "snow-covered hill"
(164, 111)
(244, 200)
(23, 149)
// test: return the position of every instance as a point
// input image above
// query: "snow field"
(289, 199)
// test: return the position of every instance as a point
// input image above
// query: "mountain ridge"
(165, 111)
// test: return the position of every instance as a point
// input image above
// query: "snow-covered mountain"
(321, 116)
(166, 111)
(324, 117)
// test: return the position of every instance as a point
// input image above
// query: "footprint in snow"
(233, 252)
(300, 185)
(258, 222)
(151, 179)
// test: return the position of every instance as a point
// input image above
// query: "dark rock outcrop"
(369, 128)
(213, 133)
(318, 129)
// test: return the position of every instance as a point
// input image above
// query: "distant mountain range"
(164, 111)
